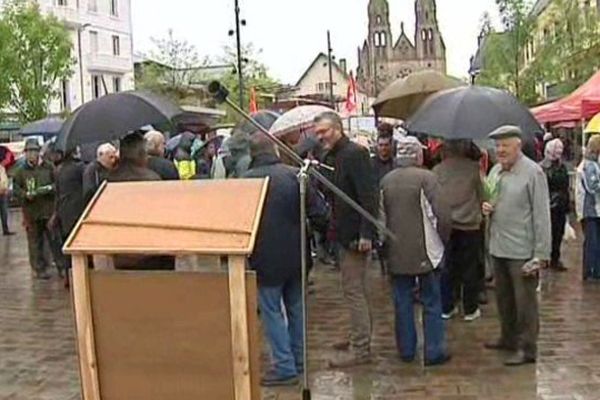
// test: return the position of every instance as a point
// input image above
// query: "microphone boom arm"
(221, 95)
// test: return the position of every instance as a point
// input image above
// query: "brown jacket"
(462, 188)
(411, 204)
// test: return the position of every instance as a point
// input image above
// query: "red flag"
(351, 100)
(253, 103)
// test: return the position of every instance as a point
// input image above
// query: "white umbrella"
(297, 119)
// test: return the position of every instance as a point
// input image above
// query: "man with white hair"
(97, 171)
(519, 244)
(155, 147)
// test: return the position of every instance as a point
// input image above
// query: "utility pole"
(330, 61)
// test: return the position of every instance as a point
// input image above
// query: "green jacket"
(38, 184)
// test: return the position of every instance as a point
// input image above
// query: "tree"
(569, 49)
(35, 56)
(503, 52)
(256, 75)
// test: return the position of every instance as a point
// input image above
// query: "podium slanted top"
(217, 217)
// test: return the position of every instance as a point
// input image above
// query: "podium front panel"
(168, 335)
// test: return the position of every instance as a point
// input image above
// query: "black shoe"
(499, 345)
(407, 360)
(42, 275)
(438, 361)
(559, 266)
(272, 380)
(519, 358)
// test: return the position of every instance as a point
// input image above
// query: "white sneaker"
(474, 316)
(451, 314)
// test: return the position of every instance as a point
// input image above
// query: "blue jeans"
(285, 340)
(433, 325)
(591, 248)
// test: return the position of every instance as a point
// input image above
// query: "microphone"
(218, 91)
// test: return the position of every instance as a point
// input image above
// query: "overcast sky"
(290, 33)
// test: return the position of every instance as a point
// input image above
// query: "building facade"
(548, 22)
(101, 34)
(314, 86)
(382, 60)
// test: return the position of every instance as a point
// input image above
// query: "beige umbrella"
(405, 95)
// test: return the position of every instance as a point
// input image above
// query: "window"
(116, 44)
(116, 84)
(114, 8)
(424, 35)
(383, 39)
(94, 42)
(431, 43)
(96, 86)
(61, 2)
(378, 19)
(93, 5)
(376, 39)
(64, 95)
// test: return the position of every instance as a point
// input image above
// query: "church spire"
(380, 33)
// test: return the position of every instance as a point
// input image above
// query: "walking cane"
(307, 168)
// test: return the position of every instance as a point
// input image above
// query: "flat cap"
(32, 144)
(505, 132)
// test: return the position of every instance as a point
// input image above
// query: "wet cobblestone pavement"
(38, 359)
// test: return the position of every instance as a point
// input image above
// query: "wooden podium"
(161, 335)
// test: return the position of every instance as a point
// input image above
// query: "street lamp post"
(239, 52)
(330, 63)
(80, 29)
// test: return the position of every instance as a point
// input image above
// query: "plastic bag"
(570, 234)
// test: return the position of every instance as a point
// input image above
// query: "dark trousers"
(38, 235)
(4, 213)
(463, 263)
(285, 339)
(591, 248)
(558, 219)
(433, 325)
(517, 305)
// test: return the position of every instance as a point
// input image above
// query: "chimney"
(343, 65)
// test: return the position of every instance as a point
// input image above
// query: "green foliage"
(570, 51)
(35, 54)
(565, 52)
(503, 53)
(256, 76)
(176, 68)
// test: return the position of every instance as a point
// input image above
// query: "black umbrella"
(113, 116)
(266, 118)
(471, 112)
(47, 127)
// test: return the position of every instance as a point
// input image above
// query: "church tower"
(429, 43)
(380, 33)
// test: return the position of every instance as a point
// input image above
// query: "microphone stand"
(307, 169)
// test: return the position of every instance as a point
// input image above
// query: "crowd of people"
(456, 221)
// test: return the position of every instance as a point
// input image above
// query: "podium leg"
(85, 329)
(239, 327)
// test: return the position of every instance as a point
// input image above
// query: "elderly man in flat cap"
(520, 243)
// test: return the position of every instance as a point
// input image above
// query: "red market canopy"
(583, 103)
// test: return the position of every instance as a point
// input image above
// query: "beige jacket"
(4, 183)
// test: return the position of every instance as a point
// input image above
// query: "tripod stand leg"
(304, 262)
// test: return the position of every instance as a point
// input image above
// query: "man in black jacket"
(354, 175)
(98, 170)
(155, 147)
(277, 260)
